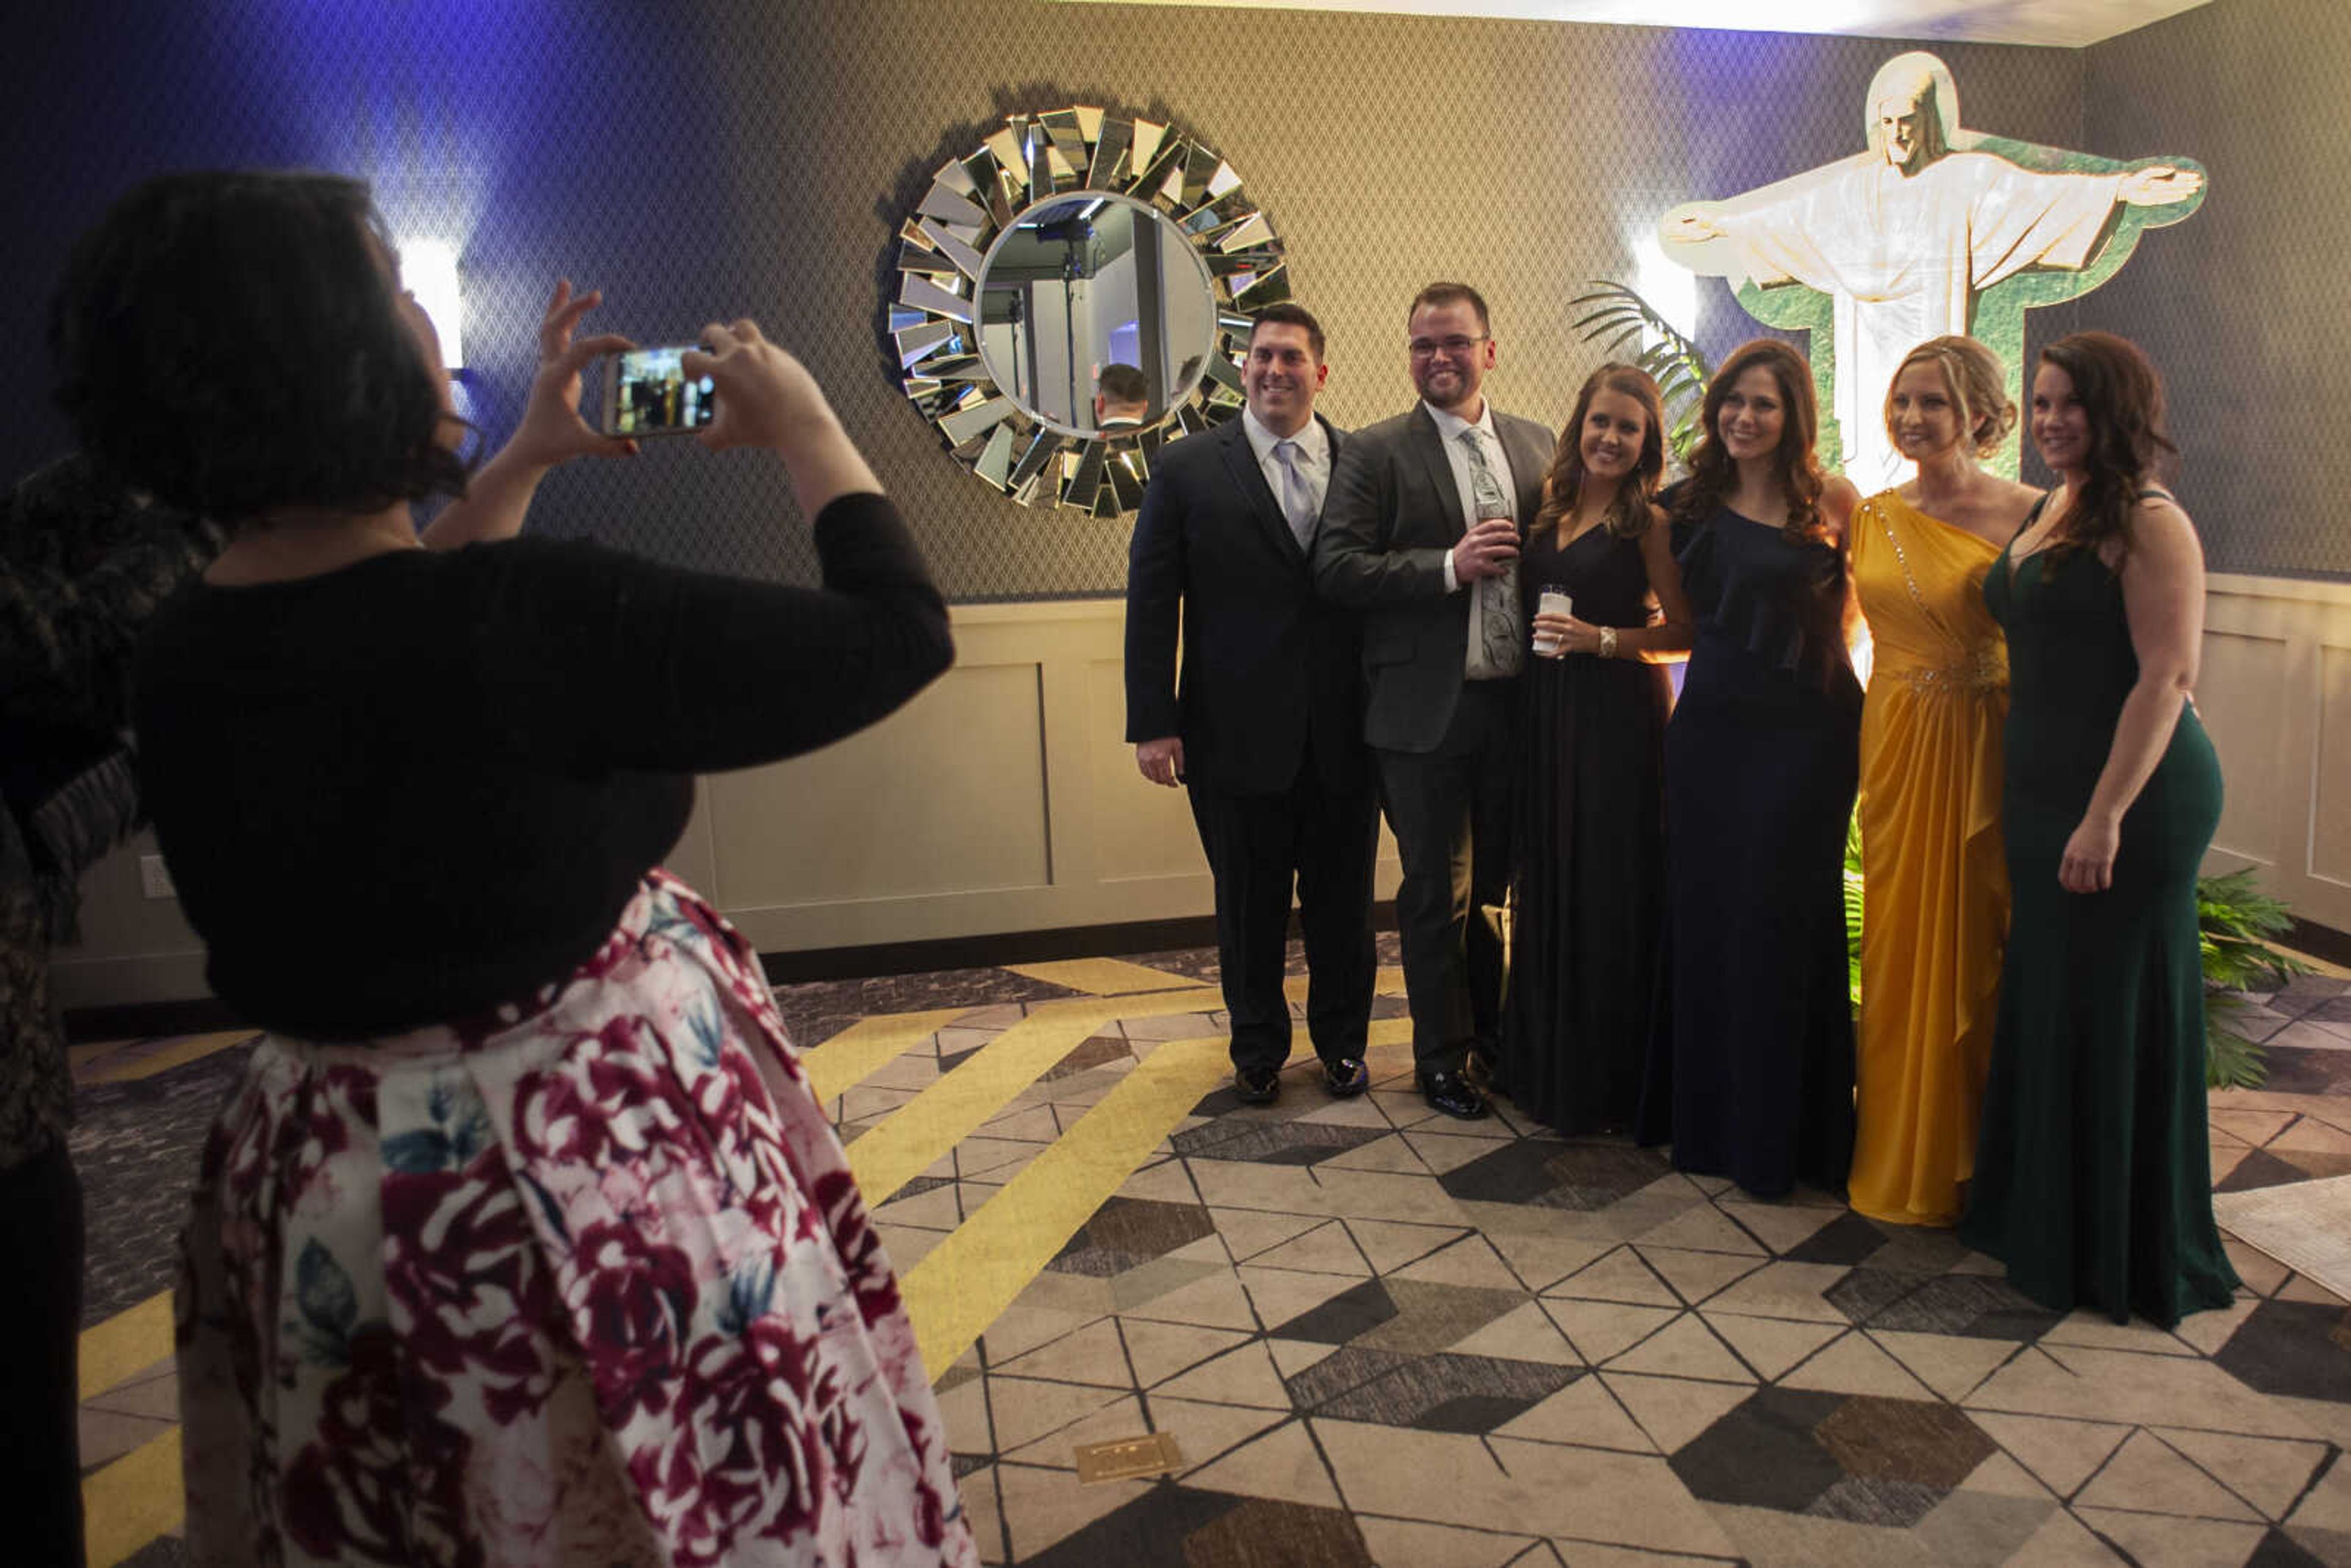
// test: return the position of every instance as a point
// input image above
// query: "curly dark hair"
(230, 342)
(2122, 396)
(1712, 474)
(1629, 514)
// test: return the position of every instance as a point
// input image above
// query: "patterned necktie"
(1496, 645)
(1297, 499)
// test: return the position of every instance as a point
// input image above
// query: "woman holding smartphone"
(1588, 887)
(2093, 1176)
(1753, 1078)
(522, 1239)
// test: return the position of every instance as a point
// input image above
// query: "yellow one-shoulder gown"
(1935, 905)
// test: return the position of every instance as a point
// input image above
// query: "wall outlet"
(154, 880)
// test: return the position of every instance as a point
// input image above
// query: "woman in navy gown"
(1751, 1073)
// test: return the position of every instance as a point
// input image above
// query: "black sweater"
(427, 783)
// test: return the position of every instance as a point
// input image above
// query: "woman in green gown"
(2093, 1179)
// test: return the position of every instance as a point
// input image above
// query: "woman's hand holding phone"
(767, 398)
(551, 431)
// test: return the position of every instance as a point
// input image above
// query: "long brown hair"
(2121, 398)
(1713, 473)
(1628, 514)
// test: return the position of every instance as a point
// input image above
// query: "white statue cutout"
(1934, 229)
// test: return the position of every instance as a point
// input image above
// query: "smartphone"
(648, 392)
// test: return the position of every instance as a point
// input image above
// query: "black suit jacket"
(1391, 513)
(1266, 661)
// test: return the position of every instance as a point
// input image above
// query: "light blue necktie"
(1297, 499)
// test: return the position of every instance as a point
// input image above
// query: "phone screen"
(649, 394)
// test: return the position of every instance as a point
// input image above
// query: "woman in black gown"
(1588, 887)
(1752, 1077)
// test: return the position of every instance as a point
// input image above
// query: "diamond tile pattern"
(1503, 1348)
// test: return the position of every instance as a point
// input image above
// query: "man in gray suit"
(1420, 531)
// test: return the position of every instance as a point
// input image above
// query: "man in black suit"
(1421, 532)
(1265, 733)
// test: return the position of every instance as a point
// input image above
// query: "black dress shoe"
(1346, 1077)
(1257, 1085)
(1453, 1094)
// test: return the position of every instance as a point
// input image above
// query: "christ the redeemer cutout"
(1933, 229)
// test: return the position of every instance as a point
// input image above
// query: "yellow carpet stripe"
(919, 1133)
(1101, 976)
(132, 1501)
(126, 1344)
(866, 1046)
(177, 1053)
(965, 1282)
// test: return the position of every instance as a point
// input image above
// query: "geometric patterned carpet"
(1378, 1336)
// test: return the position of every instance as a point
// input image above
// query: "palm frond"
(1854, 908)
(1617, 313)
(2230, 1061)
(2233, 916)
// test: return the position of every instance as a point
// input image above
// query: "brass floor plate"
(1123, 1459)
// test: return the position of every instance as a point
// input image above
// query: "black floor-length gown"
(1588, 886)
(1751, 1074)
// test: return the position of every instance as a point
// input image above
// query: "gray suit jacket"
(1391, 512)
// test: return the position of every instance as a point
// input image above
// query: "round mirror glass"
(1096, 315)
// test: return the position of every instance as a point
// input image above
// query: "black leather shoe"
(1453, 1094)
(1257, 1085)
(1346, 1077)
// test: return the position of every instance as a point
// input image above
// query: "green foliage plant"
(2233, 919)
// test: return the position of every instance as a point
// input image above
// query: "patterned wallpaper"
(710, 160)
(2250, 321)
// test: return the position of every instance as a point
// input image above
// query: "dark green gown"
(2092, 1177)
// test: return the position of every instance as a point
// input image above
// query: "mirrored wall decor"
(1072, 294)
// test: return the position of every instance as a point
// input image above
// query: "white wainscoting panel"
(2274, 691)
(1005, 799)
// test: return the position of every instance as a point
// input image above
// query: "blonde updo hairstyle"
(1976, 381)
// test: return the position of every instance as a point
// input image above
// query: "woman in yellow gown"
(1936, 912)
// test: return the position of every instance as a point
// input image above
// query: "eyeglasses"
(1425, 348)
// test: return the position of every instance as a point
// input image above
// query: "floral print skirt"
(586, 1285)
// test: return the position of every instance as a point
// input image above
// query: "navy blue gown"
(1750, 1073)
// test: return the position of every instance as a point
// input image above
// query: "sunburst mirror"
(1072, 295)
